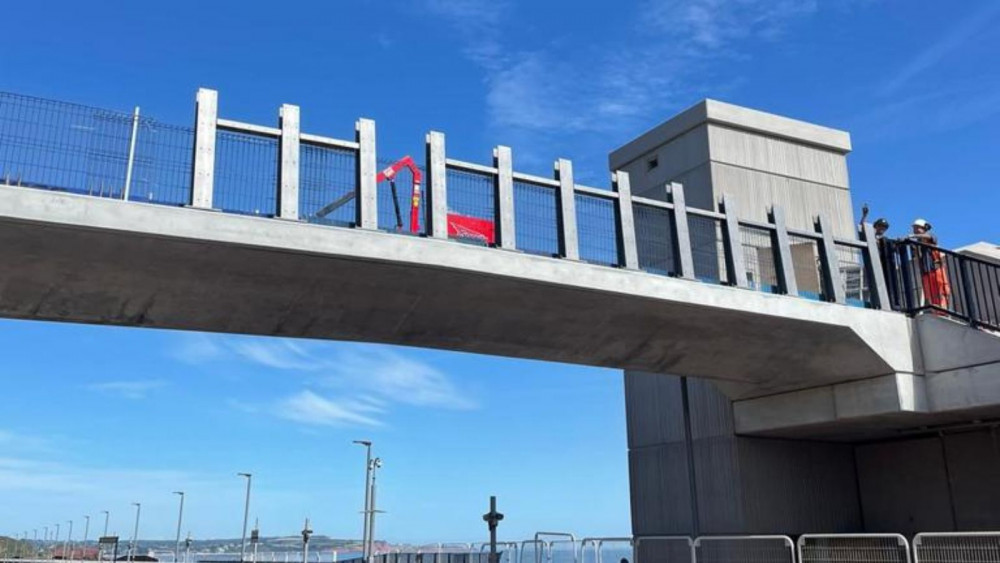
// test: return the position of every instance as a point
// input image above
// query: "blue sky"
(95, 418)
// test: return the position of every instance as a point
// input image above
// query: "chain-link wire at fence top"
(853, 548)
(536, 219)
(957, 547)
(807, 267)
(597, 229)
(470, 194)
(759, 259)
(62, 146)
(327, 182)
(246, 174)
(744, 549)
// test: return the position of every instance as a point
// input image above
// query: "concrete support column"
(504, 193)
(833, 285)
(366, 205)
(628, 250)
(682, 235)
(569, 241)
(203, 174)
(783, 253)
(288, 163)
(874, 271)
(735, 262)
(437, 187)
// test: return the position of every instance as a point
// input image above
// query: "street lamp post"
(107, 516)
(375, 466)
(86, 531)
(69, 542)
(135, 531)
(368, 489)
(246, 516)
(180, 518)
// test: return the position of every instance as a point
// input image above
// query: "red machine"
(459, 226)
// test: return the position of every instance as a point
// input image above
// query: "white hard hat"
(921, 223)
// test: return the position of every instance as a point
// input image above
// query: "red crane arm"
(393, 169)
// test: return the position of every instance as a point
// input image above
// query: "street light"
(86, 531)
(375, 466)
(107, 516)
(246, 516)
(368, 489)
(180, 518)
(135, 531)
(69, 540)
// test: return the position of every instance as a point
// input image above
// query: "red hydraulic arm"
(390, 175)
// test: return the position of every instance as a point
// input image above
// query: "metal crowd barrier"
(853, 548)
(744, 549)
(957, 547)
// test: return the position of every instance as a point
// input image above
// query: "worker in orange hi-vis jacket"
(933, 275)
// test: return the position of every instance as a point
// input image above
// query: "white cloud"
(309, 408)
(396, 378)
(137, 389)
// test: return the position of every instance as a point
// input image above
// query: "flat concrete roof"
(739, 117)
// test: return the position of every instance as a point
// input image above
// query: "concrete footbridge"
(117, 219)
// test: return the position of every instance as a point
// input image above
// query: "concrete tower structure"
(695, 468)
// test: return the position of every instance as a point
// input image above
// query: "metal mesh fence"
(327, 185)
(597, 229)
(535, 219)
(984, 287)
(62, 146)
(402, 201)
(746, 549)
(470, 194)
(246, 174)
(163, 163)
(851, 265)
(970, 547)
(807, 266)
(707, 249)
(615, 551)
(759, 259)
(654, 235)
(873, 548)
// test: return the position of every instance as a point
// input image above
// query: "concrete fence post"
(288, 162)
(783, 253)
(874, 271)
(735, 262)
(682, 234)
(437, 186)
(569, 242)
(503, 191)
(628, 250)
(833, 283)
(203, 173)
(366, 204)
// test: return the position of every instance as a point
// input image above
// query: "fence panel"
(807, 266)
(664, 549)
(597, 229)
(246, 174)
(853, 548)
(707, 249)
(470, 195)
(536, 219)
(759, 258)
(851, 264)
(654, 235)
(403, 198)
(744, 549)
(63, 147)
(957, 547)
(163, 163)
(327, 185)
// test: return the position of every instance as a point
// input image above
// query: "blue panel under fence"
(163, 163)
(246, 174)
(535, 219)
(327, 185)
(62, 146)
(597, 230)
